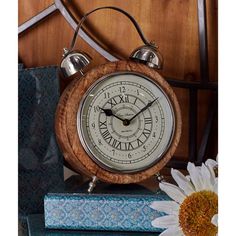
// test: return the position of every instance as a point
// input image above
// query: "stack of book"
(112, 208)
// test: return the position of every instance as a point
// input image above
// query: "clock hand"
(108, 112)
(143, 109)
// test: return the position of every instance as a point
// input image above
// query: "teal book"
(127, 208)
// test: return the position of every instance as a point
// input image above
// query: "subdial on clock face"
(125, 123)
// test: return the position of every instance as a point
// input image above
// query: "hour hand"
(109, 112)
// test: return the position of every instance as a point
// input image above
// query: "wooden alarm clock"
(120, 122)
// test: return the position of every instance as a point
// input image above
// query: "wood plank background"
(172, 24)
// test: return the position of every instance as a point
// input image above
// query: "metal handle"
(116, 9)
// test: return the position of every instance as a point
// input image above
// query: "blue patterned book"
(111, 212)
(40, 162)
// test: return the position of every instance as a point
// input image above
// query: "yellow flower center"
(196, 212)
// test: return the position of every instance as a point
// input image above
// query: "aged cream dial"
(125, 122)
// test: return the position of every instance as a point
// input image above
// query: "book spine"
(112, 213)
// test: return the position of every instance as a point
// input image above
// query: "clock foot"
(92, 184)
(159, 177)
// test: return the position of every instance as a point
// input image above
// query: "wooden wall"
(171, 23)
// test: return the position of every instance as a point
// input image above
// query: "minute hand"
(143, 109)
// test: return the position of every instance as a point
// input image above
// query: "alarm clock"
(120, 122)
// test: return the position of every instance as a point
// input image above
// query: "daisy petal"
(173, 192)
(176, 231)
(169, 207)
(195, 176)
(215, 188)
(214, 220)
(211, 164)
(206, 177)
(165, 221)
(188, 177)
(182, 181)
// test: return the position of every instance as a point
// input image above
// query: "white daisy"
(194, 209)
(214, 220)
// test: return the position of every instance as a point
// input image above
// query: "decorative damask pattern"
(102, 211)
(40, 162)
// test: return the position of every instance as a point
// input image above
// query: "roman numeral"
(109, 139)
(128, 146)
(124, 98)
(112, 102)
(127, 98)
(139, 142)
(103, 125)
(106, 134)
(121, 99)
(135, 100)
(146, 132)
(148, 120)
(118, 146)
(114, 143)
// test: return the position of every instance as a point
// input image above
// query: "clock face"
(125, 122)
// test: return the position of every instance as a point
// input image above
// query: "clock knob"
(149, 55)
(73, 62)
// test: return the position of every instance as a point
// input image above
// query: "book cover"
(114, 211)
(40, 163)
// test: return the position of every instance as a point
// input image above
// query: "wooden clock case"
(66, 123)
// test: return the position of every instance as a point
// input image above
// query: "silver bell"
(74, 62)
(148, 55)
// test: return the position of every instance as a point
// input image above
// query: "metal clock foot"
(159, 177)
(92, 184)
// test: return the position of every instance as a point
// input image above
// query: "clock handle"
(74, 61)
(151, 44)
